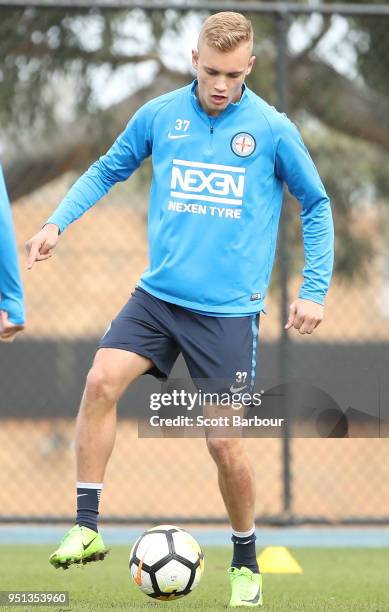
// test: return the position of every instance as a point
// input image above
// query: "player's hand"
(304, 316)
(8, 330)
(40, 246)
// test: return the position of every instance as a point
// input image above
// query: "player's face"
(220, 75)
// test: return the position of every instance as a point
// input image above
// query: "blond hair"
(225, 31)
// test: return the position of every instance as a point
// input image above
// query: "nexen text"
(207, 182)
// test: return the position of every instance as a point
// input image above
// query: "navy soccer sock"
(244, 550)
(88, 498)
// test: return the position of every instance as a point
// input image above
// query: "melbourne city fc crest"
(243, 144)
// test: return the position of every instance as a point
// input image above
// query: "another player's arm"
(125, 155)
(295, 166)
(11, 290)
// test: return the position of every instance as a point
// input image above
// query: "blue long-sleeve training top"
(11, 290)
(215, 200)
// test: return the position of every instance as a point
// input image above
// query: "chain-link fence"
(69, 80)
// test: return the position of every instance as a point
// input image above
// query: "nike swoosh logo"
(174, 136)
(82, 494)
(236, 389)
(255, 599)
(85, 546)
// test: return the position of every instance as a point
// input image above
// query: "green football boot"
(79, 545)
(246, 588)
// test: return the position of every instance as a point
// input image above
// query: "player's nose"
(220, 86)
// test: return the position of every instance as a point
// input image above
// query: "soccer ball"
(166, 562)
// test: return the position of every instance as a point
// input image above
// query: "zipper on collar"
(211, 131)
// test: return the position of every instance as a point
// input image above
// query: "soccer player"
(220, 156)
(11, 290)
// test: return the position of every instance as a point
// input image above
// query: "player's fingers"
(7, 328)
(309, 325)
(305, 327)
(312, 326)
(298, 321)
(292, 313)
(42, 257)
(38, 251)
(32, 247)
(8, 336)
(46, 246)
(10, 332)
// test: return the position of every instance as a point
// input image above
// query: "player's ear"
(195, 58)
(250, 65)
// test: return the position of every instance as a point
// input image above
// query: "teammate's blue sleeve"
(11, 290)
(125, 155)
(294, 165)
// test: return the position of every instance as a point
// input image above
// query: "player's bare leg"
(236, 480)
(237, 486)
(112, 371)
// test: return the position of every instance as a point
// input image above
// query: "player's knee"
(223, 450)
(100, 385)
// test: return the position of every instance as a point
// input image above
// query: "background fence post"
(282, 103)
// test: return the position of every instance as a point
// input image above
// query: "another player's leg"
(237, 486)
(112, 371)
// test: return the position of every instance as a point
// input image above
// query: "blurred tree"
(49, 53)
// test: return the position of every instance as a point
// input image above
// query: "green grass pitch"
(341, 579)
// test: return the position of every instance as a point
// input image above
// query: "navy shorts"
(214, 348)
